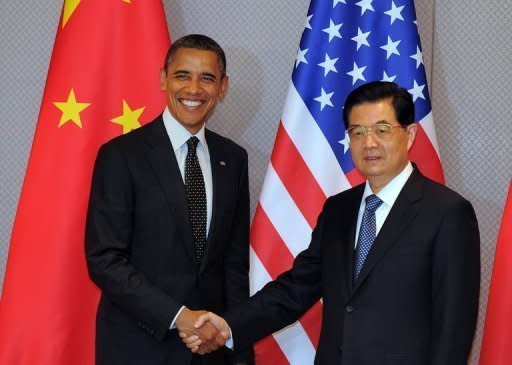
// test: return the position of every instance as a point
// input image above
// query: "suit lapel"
(220, 187)
(351, 209)
(402, 213)
(165, 166)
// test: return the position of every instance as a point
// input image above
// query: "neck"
(377, 186)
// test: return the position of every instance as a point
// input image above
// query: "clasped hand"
(201, 331)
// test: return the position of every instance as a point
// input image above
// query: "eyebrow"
(383, 121)
(177, 72)
(185, 72)
(209, 75)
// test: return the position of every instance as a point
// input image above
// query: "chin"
(371, 169)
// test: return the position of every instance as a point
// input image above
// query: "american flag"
(345, 43)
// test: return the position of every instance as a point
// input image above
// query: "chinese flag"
(103, 80)
(497, 343)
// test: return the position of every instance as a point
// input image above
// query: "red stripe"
(267, 351)
(268, 245)
(296, 177)
(354, 177)
(425, 156)
(312, 322)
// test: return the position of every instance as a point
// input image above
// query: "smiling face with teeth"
(380, 160)
(194, 83)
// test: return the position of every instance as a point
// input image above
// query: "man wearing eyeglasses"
(396, 260)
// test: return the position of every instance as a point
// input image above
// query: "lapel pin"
(222, 163)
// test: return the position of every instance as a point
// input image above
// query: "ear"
(224, 86)
(411, 134)
(163, 80)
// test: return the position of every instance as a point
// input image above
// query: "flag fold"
(497, 341)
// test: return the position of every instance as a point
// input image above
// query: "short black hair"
(374, 91)
(197, 41)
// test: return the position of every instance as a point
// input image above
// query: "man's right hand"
(206, 333)
(206, 319)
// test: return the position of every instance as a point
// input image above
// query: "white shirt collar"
(178, 134)
(389, 193)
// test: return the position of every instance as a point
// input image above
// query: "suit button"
(349, 309)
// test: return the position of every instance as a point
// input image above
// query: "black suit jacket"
(140, 250)
(415, 300)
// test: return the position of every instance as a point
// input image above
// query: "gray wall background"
(467, 52)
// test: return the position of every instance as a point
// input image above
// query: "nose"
(194, 86)
(369, 140)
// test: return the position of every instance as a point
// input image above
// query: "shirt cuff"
(173, 323)
(230, 343)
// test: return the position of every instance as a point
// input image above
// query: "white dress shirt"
(388, 195)
(179, 136)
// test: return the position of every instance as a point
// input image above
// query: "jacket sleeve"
(455, 284)
(108, 246)
(236, 260)
(284, 300)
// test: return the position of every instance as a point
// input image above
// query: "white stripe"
(284, 213)
(258, 275)
(428, 126)
(296, 345)
(312, 144)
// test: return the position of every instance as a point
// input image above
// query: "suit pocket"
(397, 359)
(394, 358)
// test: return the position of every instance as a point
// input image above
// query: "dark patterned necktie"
(367, 232)
(196, 198)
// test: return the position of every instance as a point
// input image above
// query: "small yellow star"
(71, 109)
(69, 8)
(129, 120)
(127, 1)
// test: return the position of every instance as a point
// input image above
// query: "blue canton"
(346, 43)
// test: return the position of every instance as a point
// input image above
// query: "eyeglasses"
(380, 131)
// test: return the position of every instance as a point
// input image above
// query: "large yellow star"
(69, 8)
(129, 120)
(71, 110)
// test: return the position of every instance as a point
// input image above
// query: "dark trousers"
(196, 360)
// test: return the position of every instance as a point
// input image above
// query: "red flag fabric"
(103, 80)
(497, 342)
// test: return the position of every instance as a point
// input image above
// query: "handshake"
(201, 331)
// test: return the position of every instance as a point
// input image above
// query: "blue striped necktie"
(367, 232)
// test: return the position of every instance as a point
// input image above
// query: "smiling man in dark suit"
(168, 220)
(396, 260)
